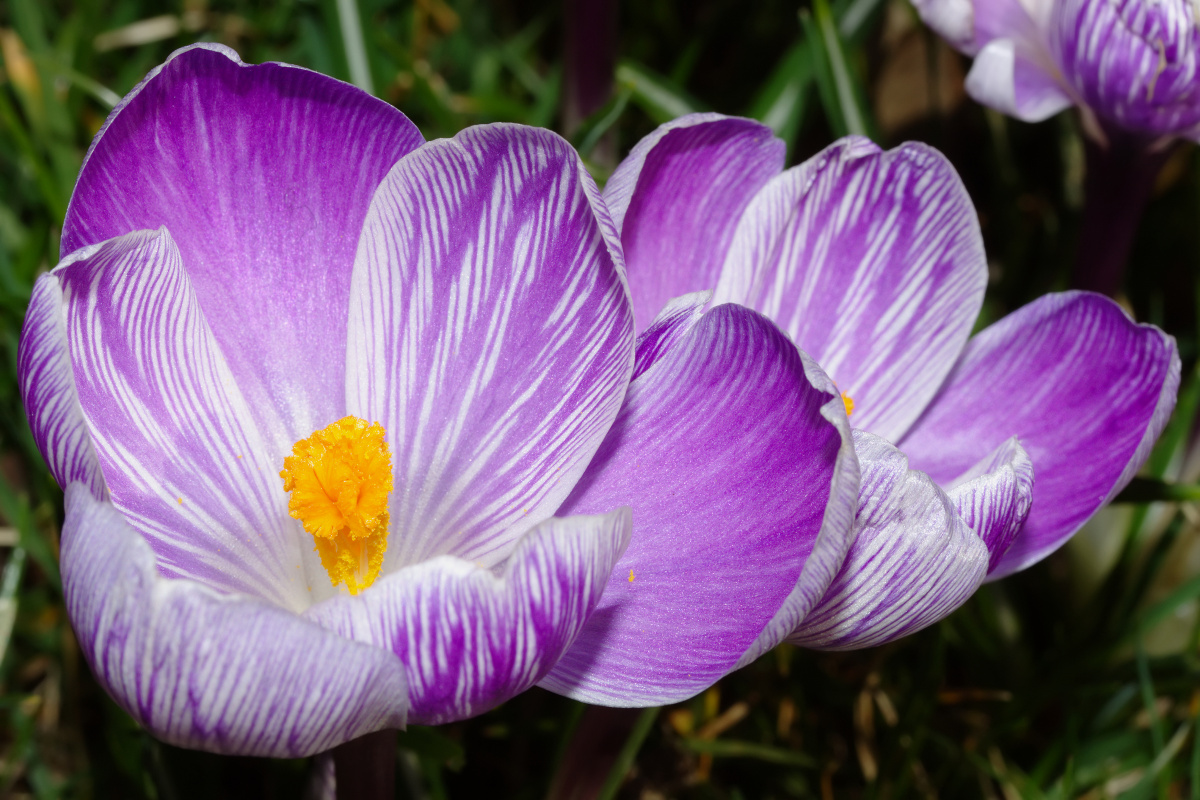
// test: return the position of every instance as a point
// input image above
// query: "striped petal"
(224, 673)
(263, 175)
(676, 200)
(994, 497)
(48, 387)
(1135, 63)
(672, 324)
(178, 446)
(472, 637)
(873, 263)
(490, 333)
(1009, 79)
(913, 561)
(1085, 390)
(735, 456)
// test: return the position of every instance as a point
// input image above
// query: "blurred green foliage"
(1078, 678)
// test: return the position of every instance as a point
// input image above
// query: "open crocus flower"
(1131, 64)
(978, 455)
(268, 270)
(315, 388)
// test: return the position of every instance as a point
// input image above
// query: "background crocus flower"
(1131, 69)
(1128, 64)
(979, 455)
(256, 252)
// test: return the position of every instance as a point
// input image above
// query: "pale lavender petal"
(178, 446)
(48, 389)
(263, 175)
(225, 673)
(742, 480)
(1083, 388)
(471, 637)
(953, 20)
(676, 200)
(994, 497)
(1133, 62)
(491, 335)
(873, 263)
(913, 561)
(1009, 80)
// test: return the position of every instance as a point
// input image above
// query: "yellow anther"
(340, 478)
(849, 402)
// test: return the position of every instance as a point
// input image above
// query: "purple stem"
(1117, 186)
(590, 56)
(595, 746)
(366, 767)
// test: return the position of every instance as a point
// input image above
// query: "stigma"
(339, 479)
(848, 401)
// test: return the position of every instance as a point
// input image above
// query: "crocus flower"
(1128, 64)
(979, 455)
(314, 389)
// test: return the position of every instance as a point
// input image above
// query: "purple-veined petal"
(994, 497)
(1135, 63)
(676, 200)
(263, 175)
(913, 561)
(225, 673)
(873, 263)
(671, 326)
(742, 479)
(1007, 79)
(1086, 391)
(181, 456)
(48, 388)
(490, 334)
(470, 638)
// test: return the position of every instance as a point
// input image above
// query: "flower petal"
(742, 480)
(671, 326)
(1005, 78)
(48, 388)
(913, 560)
(180, 453)
(1086, 391)
(223, 673)
(676, 200)
(263, 175)
(873, 263)
(953, 20)
(490, 334)
(470, 639)
(994, 497)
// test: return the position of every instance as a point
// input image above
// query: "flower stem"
(602, 749)
(366, 767)
(1120, 177)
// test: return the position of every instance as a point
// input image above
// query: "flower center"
(849, 401)
(339, 479)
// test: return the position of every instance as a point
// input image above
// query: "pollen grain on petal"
(849, 402)
(339, 479)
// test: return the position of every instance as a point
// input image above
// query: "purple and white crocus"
(255, 253)
(1127, 64)
(979, 455)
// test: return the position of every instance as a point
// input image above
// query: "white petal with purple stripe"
(490, 334)
(225, 673)
(873, 263)
(472, 637)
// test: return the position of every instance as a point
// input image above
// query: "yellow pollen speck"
(849, 401)
(339, 479)
(631, 576)
(179, 500)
